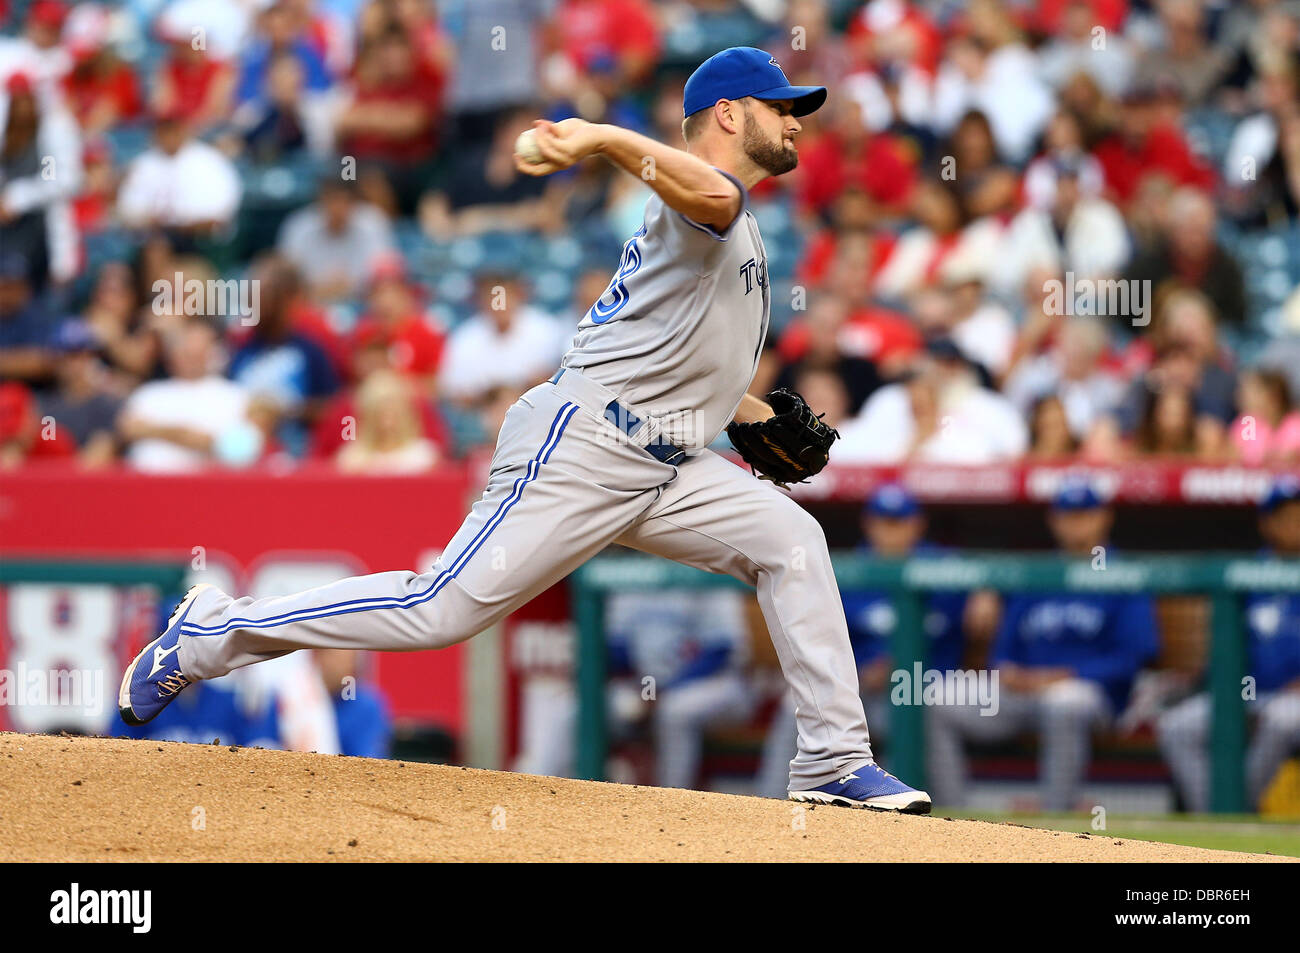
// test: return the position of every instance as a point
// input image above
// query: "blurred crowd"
(234, 231)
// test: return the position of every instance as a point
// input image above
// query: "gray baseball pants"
(1064, 714)
(1184, 732)
(564, 484)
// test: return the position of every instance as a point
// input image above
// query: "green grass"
(1243, 832)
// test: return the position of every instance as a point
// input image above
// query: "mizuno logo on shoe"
(847, 778)
(159, 656)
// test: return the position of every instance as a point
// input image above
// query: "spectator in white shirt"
(226, 24)
(941, 414)
(981, 328)
(38, 51)
(1261, 171)
(40, 173)
(179, 183)
(1064, 138)
(1085, 47)
(1073, 372)
(182, 423)
(1084, 236)
(507, 344)
(335, 240)
(940, 232)
(1003, 83)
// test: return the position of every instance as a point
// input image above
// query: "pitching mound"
(105, 799)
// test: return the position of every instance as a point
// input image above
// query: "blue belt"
(626, 421)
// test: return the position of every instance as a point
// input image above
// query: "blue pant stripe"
(405, 602)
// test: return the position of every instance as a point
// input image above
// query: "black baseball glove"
(790, 446)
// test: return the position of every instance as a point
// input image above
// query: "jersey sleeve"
(695, 241)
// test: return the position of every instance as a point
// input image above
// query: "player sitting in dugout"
(1273, 700)
(1066, 663)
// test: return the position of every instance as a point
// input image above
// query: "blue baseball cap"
(1285, 489)
(744, 71)
(892, 501)
(1077, 493)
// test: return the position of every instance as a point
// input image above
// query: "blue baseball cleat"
(154, 679)
(868, 786)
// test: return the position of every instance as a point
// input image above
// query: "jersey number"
(627, 266)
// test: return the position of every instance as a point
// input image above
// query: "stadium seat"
(126, 141)
(552, 290)
(1209, 132)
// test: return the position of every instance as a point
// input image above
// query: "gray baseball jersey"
(677, 334)
(679, 329)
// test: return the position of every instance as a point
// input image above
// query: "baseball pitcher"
(613, 449)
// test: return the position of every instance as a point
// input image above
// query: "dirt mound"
(112, 799)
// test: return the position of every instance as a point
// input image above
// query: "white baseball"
(526, 148)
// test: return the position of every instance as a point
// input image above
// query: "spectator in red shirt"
(854, 213)
(396, 319)
(22, 434)
(391, 122)
(100, 89)
(1050, 15)
(1144, 145)
(190, 83)
(848, 154)
(871, 332)
(608, 48)
(433, 45)
(816, 342)
(898, 32)
(93, 207)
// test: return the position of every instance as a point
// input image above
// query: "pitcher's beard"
(772, 158)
